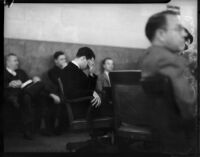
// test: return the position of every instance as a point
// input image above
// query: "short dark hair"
(157, 21)
(57, 54)
(105, 59)
(85, 51)
(103, 62)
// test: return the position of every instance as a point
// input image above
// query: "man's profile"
(167, 36)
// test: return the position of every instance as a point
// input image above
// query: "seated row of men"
(174, 124)
(46, 97)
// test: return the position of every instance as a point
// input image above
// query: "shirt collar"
(106, 73)
(75, 64)
(11, 71)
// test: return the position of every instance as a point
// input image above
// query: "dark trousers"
(21, 103)
(55, 112)
(28, 101)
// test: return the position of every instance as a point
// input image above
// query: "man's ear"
(83, 58)
(160, 34)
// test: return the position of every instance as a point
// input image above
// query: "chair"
(159, 89)
(130, 109)
(146, 111)
(82, 124)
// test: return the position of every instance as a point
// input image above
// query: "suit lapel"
(106, 79)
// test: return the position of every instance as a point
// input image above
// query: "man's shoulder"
(6, 73)
(71, 67)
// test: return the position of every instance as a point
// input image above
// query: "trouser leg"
(50, 116)
(62, 118)
(92, 114)
(27, 113)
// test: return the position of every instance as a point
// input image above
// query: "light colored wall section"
(99, 24)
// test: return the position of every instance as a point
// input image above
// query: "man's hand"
(55, 98)
(96, 101)
(36, 79)
(15, 84)
(91, 66)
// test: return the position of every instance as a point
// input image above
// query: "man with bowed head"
(77, 84)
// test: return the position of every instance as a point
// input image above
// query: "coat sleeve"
(184, 90)
(52, 76)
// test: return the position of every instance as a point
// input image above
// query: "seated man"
(174, 125)
(103, 79)
(56, 109)
(77, 84)
(104, 86)
(20, 91)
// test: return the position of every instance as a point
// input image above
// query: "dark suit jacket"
(77, 84)
(171, 125)
(34, 89)
(8, 77)
(104, 90)
(53, 75)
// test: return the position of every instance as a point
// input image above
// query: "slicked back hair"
(57, 54)
(85, 51)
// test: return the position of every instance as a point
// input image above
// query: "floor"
(14, 142)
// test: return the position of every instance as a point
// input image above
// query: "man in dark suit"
(78, 84)
(56, 109)
(176, 125)
(20, 91)
(60, 63)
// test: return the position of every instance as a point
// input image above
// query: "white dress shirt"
(11, 71)
(76, 64)
(107, 74)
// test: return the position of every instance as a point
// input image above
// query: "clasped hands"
(15, 84)
(18, 83)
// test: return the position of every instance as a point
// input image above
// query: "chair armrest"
(67, 102)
